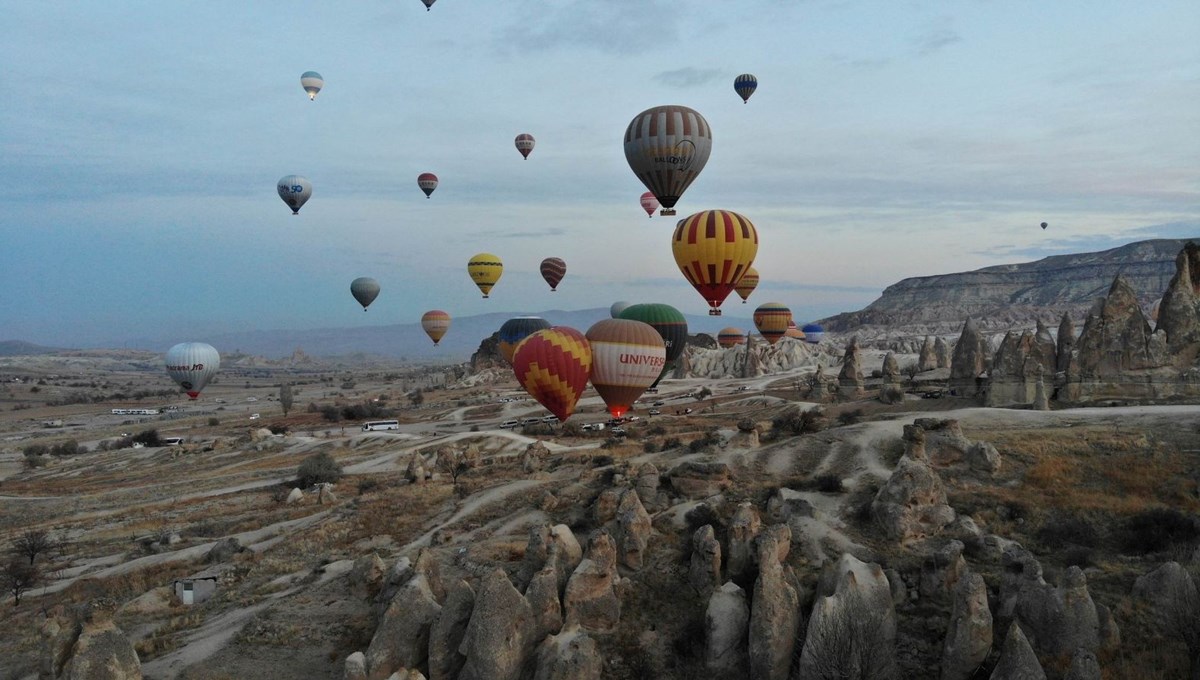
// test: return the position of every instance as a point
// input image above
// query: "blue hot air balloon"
(813, 333)
(745, 85)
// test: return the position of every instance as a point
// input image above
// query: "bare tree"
(18, 577)
(851, 641)
(32, 543)
(453, 463)
(285, 397)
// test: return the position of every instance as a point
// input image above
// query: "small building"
(195, 589)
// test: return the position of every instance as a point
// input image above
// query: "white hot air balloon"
(295, 191)
(312, 82)
(192, 365)
(618, 307)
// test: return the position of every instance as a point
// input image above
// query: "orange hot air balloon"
(771, 320)
(747, 284)
(553, 365)
(793, 331)
(435, 322)
(713, 249)
(553, 271)
(627, 357)
(731, 337)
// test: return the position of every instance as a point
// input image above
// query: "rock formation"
(93, 648)
(498, 638)
(704, 572)
(969, 636)
(1179, 313)
(725, 623)
(633, 530)
(355, 667)
(591, 600)
(1169, 593)
(852, 629)
(447, 633)
(542, 596)
(850, 379)
(775, 613)
(1084, 666)
(570, 655)
(1066, 344)
(697, 479)
(743, 529)
(1018, 366)
(970, 360)
(941, 353)
(927, 359)
(1017, 660)
(402, 638)
(912, 504)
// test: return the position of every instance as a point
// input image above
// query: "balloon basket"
(666, 212)
(714, 312)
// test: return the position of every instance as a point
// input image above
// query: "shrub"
(36, 450)
(829, 483)
(850, 417)
(1157, 530)
(671, 443)
(278, 428)
(213, 422)
(318, 468)
(147, 438)
(811, 420)
(649, 446)
(1079, 556)
(331, 413)
(1060, 532)
(367, 485)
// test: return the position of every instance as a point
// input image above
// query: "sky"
(140, 144)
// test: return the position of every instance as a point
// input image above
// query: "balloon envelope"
(667, 147)
(553, 271)
(729, 337)
(1044, 225)
(312, 82)
(192, 365)
(746, 285)
(364, 289)
(295, 191)
(485, 270)
(525, 143)
(428, 4)
(771, 320)
(553, 365)
(428, 182)
(813, 333)
(435, 323)
(627, 357)
(649, 203)
(617, 307)
(670, 324)
(713, 249)
(745, 85)
(513, 331)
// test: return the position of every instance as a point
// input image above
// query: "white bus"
(372, 425)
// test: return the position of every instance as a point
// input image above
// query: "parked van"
(509, 424)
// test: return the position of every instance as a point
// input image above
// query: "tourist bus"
(373, 425)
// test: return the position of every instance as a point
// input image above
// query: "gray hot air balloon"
(618, 307)
(295, 191)
(364, 289)
(192, 365)
(312, 82)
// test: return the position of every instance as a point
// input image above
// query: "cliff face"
(1006, 296)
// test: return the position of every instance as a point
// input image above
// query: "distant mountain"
(408, 341)
(20, 348)
(1014, 295)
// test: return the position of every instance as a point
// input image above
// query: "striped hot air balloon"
(771, 320)
(192, 365)
(627, 357)
(731, 337)
(746, 285)
(435, 323)
(813, 333)
(745, 85)
(312, 82)
(525, 143)
(553, 365)
(553, 271)
(485, 270)
(671, 326)
(667, 147)
(428, 182)
(793, 332)
(649, 203)
(513, 331)
(713, 249)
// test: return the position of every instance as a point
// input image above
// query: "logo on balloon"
(680, 155)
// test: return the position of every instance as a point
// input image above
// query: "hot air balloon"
(428, 182)
(746, 285)
(553, 270)
(428, 4)
(671, 326)
(435, 323)
(745, 85)
(312, 82)
(295, 191)
(1044, 225)
(513, 331)
(485, 270)
(713, 249)
(772, 319)
(627, 357)
(192, 365)
(813, 333)
(649, 203)
(793, 332)
(553, 365)
(667, 147)
(731, 337)
(364, 289)
(617, 307)
(525, 142)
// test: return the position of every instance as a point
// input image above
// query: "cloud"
(604, 25)
(549, 231)
(688, 77)
(859, 63)
(934, 40)
(1094, 243)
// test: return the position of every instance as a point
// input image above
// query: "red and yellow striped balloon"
(747, 284)
(435, 323)
(553, 365)
(713, 249)
(627, 357)
(771, 320)
(731, 337)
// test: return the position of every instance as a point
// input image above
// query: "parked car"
(660, 403)
(530, 421)
(654, 412)
(254, 416)
(618, 432)
(509, 423)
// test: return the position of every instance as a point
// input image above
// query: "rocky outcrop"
(775, 613)
(498, 639)
(941, 353)
(743, 529)
(1056, 621)
(927, 359)
(570, 655)
(704, 571)
(416, 473)
(1084, 666)
(852, 629)
(912, 504)
(1065, 344)
(891, 370)
(646, 482)
(725, 623)
(850, 378)
(224, 550)
(1179, 313)
(447, 633)
(633, 530)
(697, 479)
(1169, 593)
(945, 443)
(941, 570)
(366, 576)
(402, 638)
(1017, 660)
(355, 667)
(1018, 366)
(91, 649)
(542, 596)
(970, 360)
(591, 600)
(969, 636)
(982, 457)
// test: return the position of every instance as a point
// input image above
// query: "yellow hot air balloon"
(772, 320)
(714, 249)
(747, 284)
(731, 337)
(435, 322)
(485, 270)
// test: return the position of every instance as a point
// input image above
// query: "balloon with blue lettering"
(295, 191)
